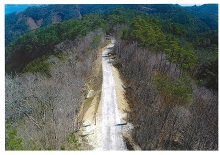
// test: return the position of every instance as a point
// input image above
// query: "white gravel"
(111, 134)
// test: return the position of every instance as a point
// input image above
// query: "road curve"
(111, 134)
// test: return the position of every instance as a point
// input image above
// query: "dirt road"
(104, 116)
(111, 133)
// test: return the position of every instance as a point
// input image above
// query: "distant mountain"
(206, 8)
(197, 18)
(208, 13)
(33, 17)
(10, 8)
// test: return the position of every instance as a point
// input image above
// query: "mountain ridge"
(25, 21)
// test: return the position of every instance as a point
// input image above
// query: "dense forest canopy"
(182, 33)
(208, 13)
(22, 22)
(42, 41)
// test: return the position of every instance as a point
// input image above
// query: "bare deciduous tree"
(157, 125)
(44, 109)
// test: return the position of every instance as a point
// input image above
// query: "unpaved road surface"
(111, 133)
(101, 121)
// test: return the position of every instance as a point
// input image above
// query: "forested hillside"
(42, 41)
(166, 54)
(208, 13)
(43, 101)
(20, 23)
(35, 17)
(165, 67)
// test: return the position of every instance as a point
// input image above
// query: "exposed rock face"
(39, 22)
(56, 18)
(31, 19)
(31, 23)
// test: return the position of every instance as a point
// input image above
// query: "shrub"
(12, 142)
(39, 65)
(72, 143)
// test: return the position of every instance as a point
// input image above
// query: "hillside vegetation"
(42, 41)
(35, 17)
(162, 69)
(167, 55)
(42, 103)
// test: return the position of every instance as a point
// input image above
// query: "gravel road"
(111, 134)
